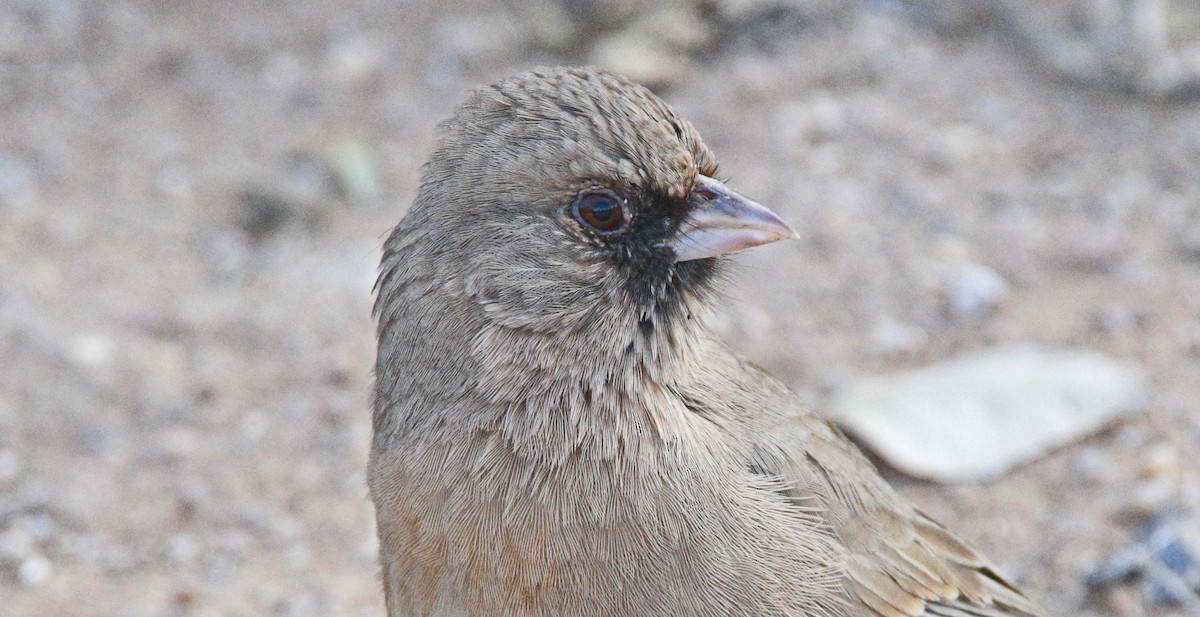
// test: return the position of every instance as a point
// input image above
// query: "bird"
(556, 430)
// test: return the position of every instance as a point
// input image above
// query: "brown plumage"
(556, 431)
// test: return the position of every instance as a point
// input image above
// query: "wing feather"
(898, 561)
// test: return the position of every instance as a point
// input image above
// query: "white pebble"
(183, 548)
(893, 337)
(93, 351)
(34, 571)
(10, 467)
(974, 290)
(16, 544)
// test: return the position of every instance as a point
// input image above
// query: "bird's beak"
(725, 222)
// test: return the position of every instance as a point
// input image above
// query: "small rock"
(354, 170)
(34, 571)
(297, 557)
(262, 212)
(1114, 320)
(1095, 465)
(892, 337)
(14, 180)
(1094, 248)
(254, 426)
(1187, 244)
(41, 526)
(640, 58)
(185, 600)
(307, 179)
(1125, 602)
(174, 182)
(228, 254)
(10, 467)
(1161, 460)
(179, 443)
(182, 548)
(16, 544)
(978, 415)
(973, 291)
(368, 549)
(1188, 336)
(1134, 437)
(1167, 560)
(286, 529)
(754, 324)
(747, 323)
(546, 23)
(678, 24)
(1155, 494)
(283, 71)
(489, 35)
(828, 115)
(820, 118)
(354, 60)
(91, 351)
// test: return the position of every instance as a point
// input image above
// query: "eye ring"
(601, 210)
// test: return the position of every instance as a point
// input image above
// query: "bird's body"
(556, 431)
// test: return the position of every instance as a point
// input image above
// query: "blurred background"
(193, 196)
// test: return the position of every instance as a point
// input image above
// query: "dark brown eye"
(600, 209)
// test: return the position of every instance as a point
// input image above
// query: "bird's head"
(564, 241)
(559, 194)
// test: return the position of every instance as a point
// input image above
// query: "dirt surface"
(193, 195)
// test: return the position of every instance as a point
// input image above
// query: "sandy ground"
(192, 200)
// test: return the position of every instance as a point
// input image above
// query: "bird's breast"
(649, 511)
(481, 524)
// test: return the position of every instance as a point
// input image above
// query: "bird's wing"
(898, 561)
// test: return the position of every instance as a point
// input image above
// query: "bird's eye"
(600, 209)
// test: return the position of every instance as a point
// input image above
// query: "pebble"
(182, 548)
(1161, 460)
(10, 467)
(1188, 337)
(297, 558)
(263, 212)
(1167, 560)
(353, 60)
(547, 24)
(227, 255)
(1187, 244)
(355, 172)
(91, 351)
(15, 37)
(1114, 320)
(1155, 494)
(892, 337)
(1095, 465)
(307, 178)
(641, 59)
(41, 526)
(34, 571)
(483, 36)
(14, 180)
(180, 443)
(973, 291)
(16, 544)
(820, 118)
(755, 324)
(978, 415)
(254, 426)
(677, 24)
(174, 181)
(283, 71)
(1094, 248)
